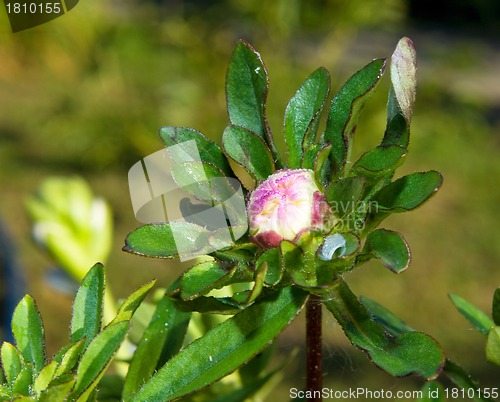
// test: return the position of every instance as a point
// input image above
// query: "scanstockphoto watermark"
(26, 14)
(356, 393)
(172, 186)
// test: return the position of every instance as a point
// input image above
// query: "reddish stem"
(314, 353)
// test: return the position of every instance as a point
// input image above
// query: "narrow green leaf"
(68, 357)
(131, 303)
(224, 348)
(157, 240)
(397, 132)
(59, 390)
(88, 305)
(162, 339)
(304, 107)
(404, 76)
(380, 161)
(97, 357)
(322, 164)
(495, 308)
(45, 377)
(344, 111)
(248, 150)
(208, 305)
(408, 192)
(389, 247)
(28, 332)
(407, 353)
(274, 270)
(208, 151)
(476, 317)
(203, 277)
(386, 318)
(462, 379)
(246, 89)
(493, 346)
(432, 391)
(12, 361)
(24, 381)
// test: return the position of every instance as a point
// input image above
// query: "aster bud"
(285, 205)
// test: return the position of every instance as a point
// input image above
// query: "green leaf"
(69, 356)
(404, 76)
(408, 192)
(322, 164)
(410, 352)
(304, 107)
(131, 303)
(248, 150)
(203, 277)
(495, 308)
(463, 380)
(97, 357)
(12, 361)
(389, 247)
(386, 318)
(380, 161)
(206, 182)
(162, 339)
(344, 111)
(274, 267)
(224, 348)
(493, 346)
(157, 240)
(58, 390)
(476, 317)
(45, 377)
(246, 89)
(432, 391)
(209, 151)
(344, 195)
(28, 332)
(88, 305)
(397, 132)
(24, 381)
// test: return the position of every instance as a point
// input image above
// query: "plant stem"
(314, 353)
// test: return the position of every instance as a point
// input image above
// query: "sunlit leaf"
(409, 352)
(12, 361)
(28, 332)
(131, 303)
(224, 348)
(304, 107)
(88, 306)
(161, 340)
(480, 320)
(344, 111)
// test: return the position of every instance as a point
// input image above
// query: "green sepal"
(28, 332)
(344, 112)
(389, 247)
(476, 317)
(302, 110)
(407, 353)
(224, 348)
(88, 306)
(274, 266)
(248, 150)
(208, 151)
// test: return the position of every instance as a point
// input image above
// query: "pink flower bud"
(286, 204)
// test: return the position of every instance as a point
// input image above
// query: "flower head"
(286, 204)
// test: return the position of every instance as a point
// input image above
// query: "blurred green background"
(86, 94)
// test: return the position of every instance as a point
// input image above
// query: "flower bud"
(286, 204)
